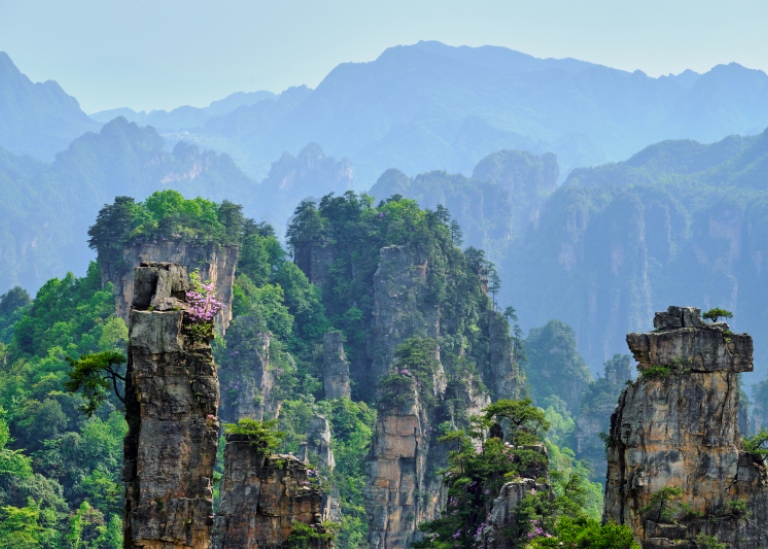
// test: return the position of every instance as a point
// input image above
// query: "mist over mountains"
(488, 132)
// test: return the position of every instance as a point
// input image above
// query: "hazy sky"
(149, 54)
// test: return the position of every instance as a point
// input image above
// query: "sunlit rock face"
(216, 265)
(262, 497)
(172, 399)
(335, 367)
(677, 427)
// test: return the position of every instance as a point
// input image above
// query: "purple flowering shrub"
(203, 305)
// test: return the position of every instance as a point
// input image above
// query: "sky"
(160, 54)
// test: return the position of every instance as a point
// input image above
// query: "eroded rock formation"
(495, 532)
(396, 488)
(676, 428)
(215, 263)
(262, 497)
(335, 366)
(248, 373)
(398, 311)
(172, 397)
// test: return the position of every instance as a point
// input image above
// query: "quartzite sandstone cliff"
(262, 497)
(216, 264)
(172, 397)
(679, 428)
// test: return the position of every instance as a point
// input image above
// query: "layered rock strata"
(335, 366)
(494, 533)
(677, 468)
(396, 468)
(216, 265)
(172, 398)
(248, 373)
(262, 497)
(398, 311)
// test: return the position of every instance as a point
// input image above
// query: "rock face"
(263, 497)
(502, 519)
(396, 468)
(506, 379)
(215, 263)
(678, 428)
(172, 398)
(398, 312)
(248, 375)
(335, 367)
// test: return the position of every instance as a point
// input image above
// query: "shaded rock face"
(319, 441)
(398, 311)
(172, 398)
(506, 378)
(262, 497)
(396, 470)
(335, 367)
(247, 378)
(215, 264)
(403, 488)
(494, 533)
(681, 430)
(314, 261)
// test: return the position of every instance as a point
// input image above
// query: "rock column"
(677, 468)
(172, 396)
(262, 497)
(335, 366)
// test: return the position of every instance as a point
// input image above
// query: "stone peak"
(683, 341)
(684, 317)
(160, 286)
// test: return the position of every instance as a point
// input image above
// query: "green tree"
(94, 376)
(717, 313)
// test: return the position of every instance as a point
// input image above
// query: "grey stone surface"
(682, 430)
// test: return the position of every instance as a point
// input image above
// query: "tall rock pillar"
(677, 468)
(172, 397)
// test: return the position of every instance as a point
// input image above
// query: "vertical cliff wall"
(677, 469)
(503, 518)
(335, 366)
(172, 398)
(216, 264)
(396, 467)
(262, 497)
(247, 373)
(398, 311)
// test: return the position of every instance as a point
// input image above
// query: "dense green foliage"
(351, 231)
(59, 469)
(481, 462)
(554, 365)
(263, 434)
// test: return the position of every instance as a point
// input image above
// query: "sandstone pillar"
(172, 396)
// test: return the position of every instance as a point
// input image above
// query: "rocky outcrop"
(172, 398)
(335, 366)
(319, 441)
(314, 261)
(215, 263)
(247, 372)
(507, 381)
(676, 429)
(398, 311)
(395, 492)
(262, 497)
(495, 532)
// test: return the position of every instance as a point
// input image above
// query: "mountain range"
(515, 146)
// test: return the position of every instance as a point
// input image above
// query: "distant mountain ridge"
(186, 116)
(37, 119)
(430, 106)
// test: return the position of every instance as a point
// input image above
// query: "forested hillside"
(60, 480)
